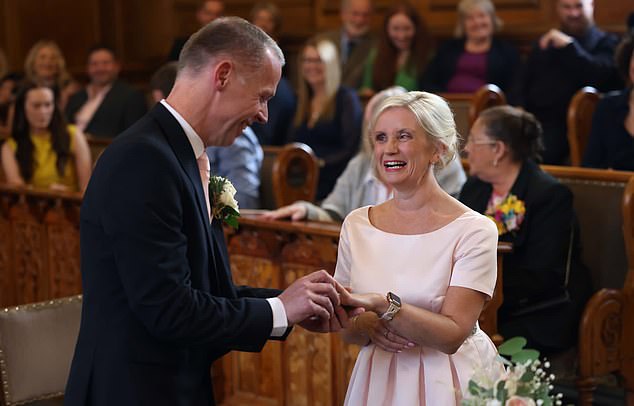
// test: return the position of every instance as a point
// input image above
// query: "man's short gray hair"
(231, 37)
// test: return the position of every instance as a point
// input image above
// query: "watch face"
(394, 298)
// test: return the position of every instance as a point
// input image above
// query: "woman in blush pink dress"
(422, 265)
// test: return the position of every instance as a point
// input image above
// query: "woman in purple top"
(475, 57)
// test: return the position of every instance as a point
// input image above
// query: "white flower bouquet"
(525, 382)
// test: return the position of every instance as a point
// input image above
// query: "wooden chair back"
(580, 112)
(487, 96)
(267, 194)
(295, 174)
(37, 342)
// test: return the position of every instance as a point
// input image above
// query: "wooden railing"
(39, 245)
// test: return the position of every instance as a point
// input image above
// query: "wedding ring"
(386, 333)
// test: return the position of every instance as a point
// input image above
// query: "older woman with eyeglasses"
(545, 283)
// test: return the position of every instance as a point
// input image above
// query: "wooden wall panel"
(141, 31)
(72, 24)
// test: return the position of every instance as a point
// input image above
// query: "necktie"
(351, 45)
(203, 168)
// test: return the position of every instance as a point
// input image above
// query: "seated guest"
(239, 162)
(162, 81)
(563, 61)
(281, 106)
(43, 150)
(46, 66)
(610, 144)
(328, 116)
(208, 10)
(475, 57)
(107, 106)
(353, 39)
(267, 16)
(545, 284)
(402, 51)
(360, 184)
(8, 87)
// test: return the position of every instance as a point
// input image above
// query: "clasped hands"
(319, 303)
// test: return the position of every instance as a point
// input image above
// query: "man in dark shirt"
(561, 62)
(107, 106)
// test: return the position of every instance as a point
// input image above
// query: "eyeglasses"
(312, 60)
(471, 141)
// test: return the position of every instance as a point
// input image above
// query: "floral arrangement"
(524, 383)
(508, 215)
(224, 206)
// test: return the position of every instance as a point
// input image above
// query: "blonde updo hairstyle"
(433, 115)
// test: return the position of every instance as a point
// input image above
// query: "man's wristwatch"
(393, 308)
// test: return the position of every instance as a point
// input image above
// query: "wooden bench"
(603, 203)
(606, 340)
(39, 247)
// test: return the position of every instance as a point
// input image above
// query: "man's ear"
(221, 74)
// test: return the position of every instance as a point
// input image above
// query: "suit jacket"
(120, 108)
(335, 141)
(610, 144)
(502, 61)
(159, 303)
(352, 70)
(550, 77)
(534, 272)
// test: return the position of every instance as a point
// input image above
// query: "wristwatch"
(393, 308)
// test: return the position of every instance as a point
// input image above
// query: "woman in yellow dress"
(43, 151)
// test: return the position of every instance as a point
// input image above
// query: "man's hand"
(312, 295)
(554, 38)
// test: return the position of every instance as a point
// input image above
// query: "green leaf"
(524, 356)
(512, 346)
(475, 389)
(502, 393)
(232, 221)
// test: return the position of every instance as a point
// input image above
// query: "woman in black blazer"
(545, 283)
(475, 57)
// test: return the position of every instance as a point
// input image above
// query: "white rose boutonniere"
(224, 206)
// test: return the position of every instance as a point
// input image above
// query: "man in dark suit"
(561, 62)
(159, 303)
(107, 106)
(354, 40)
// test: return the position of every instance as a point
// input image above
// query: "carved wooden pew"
(602, 200)
(39, 247)
(308, 368)
(606, 341)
